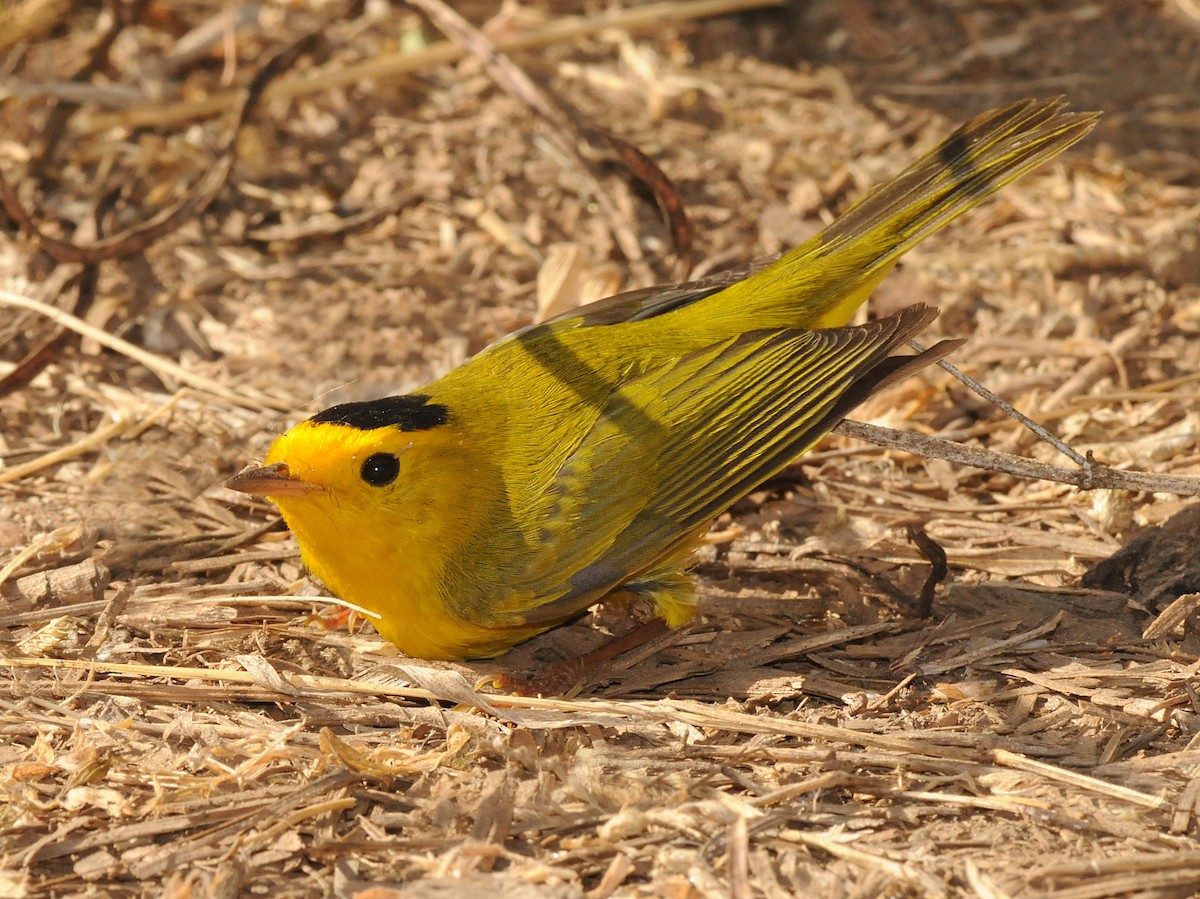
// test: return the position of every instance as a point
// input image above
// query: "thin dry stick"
(35, 547)
(1020, 762)
(447, 685)
(1144, 861)
(1093, 476)
(288, 683)
(1010, 410)
(739, 860)
(163, 368)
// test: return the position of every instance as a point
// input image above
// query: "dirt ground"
(180, 717)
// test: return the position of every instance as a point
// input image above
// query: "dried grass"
(176, 719)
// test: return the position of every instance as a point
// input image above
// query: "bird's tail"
(822, 282)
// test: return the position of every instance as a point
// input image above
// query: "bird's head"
(361, 481)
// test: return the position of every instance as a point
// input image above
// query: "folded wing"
(679, 444)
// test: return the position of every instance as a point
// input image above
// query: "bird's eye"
(380, 469)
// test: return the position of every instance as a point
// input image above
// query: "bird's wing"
(677, 445)
(648, 302)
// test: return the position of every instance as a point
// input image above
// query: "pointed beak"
(271, 480)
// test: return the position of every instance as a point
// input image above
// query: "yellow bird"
(587, 455)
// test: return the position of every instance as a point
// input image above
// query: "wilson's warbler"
(588, 454)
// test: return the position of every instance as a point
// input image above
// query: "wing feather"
(675, 446)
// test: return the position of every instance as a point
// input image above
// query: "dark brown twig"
(39, 357)
(85, 294)
(937, 568)
(670, 203)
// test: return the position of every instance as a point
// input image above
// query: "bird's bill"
(271, 480)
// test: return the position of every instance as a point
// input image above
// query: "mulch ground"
(179, 718)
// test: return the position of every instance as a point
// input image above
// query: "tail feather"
(820, 283)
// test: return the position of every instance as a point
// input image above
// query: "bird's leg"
(561, 678)
(566, 674)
